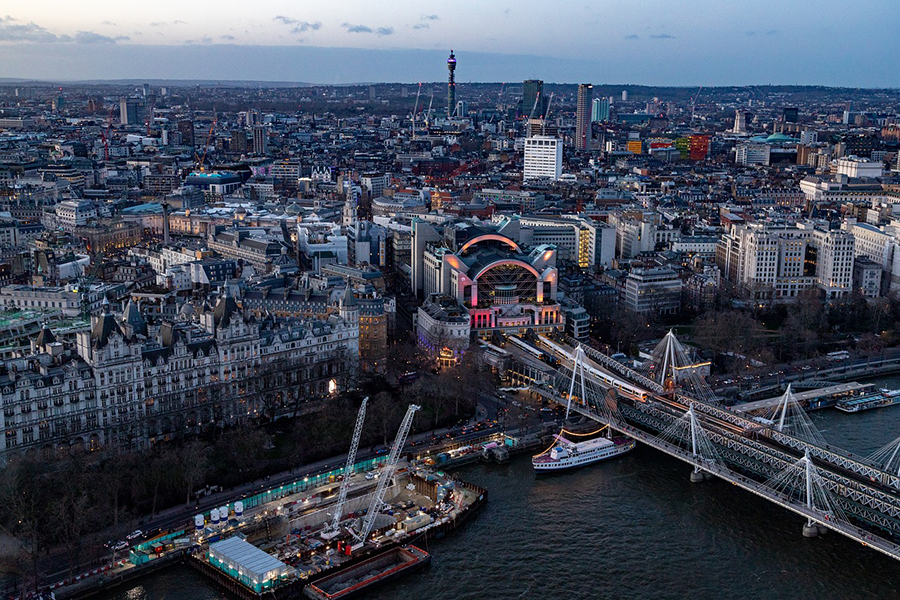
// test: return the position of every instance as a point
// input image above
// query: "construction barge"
(361, 578)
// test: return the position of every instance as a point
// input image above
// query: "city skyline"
(694, 43)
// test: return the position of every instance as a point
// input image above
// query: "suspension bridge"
(778, 455)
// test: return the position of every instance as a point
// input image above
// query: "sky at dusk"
(654, 42)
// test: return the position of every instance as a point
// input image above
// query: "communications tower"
(451, 85)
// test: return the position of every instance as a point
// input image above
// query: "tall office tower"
(543, 158)
(583, 116)
(130, 111)
(740, 121)
(260, 139)
(532, 98)
(238, 141)
(451, 84)
(186, 128)
(624, 95)
(600, 110)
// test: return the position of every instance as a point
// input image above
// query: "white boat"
(566, 454)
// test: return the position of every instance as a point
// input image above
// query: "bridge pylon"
(673, 367)
(687, 432)
(789, 417)
(801, 482)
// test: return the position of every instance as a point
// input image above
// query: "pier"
(806, 398)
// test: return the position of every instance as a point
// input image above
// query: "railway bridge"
(779, 456)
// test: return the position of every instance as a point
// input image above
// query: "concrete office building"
(543, 158)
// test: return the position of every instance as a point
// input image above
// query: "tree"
(192, 465)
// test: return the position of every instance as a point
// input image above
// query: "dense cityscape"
(212, 296)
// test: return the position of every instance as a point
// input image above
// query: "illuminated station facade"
(503, 285)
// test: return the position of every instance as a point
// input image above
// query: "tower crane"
(387, 473)
(334, 528)
(415, 109)
(547, 114)
(206, 145)
(694, 102)
(428, 114)
(537, 98)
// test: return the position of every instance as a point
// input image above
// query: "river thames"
(631, 527)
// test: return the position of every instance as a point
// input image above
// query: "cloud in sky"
(298, 25)
(430, 17)
(662, 36)
(632, 36)
(13, 30)
(366, 29)
(90, 37)
(421, 26)
(356, 28)
(111, 23)
(227, 37)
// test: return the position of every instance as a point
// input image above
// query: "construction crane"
(693, 102)
(415, 109)
(334, 528)
(206, 145)
(546, 114)
(537, 98)
(428, 114)
(387, 473)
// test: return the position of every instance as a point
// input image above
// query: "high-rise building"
(740, 121)
(543, 158)
(532, 98)
(260, 139)
(186, 129)
(130, 111)
(238, 141)
(462, 109)
(583, 116)
(451, 84)
(624, 95)
(600, 110)
(752, 153)
(791, 114)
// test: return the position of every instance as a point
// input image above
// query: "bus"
(407, 377)
(839, 355)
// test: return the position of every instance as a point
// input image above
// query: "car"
(371, 475)
(120, 545)
(137, 533)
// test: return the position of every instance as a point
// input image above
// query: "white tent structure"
(248, 564)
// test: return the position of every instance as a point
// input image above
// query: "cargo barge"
(375, 571)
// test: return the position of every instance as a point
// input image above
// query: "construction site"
(353, 530)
